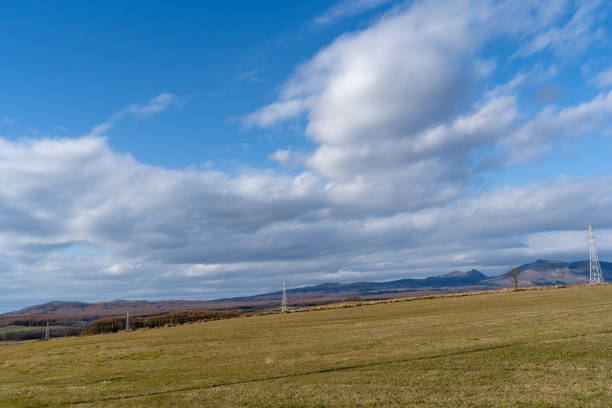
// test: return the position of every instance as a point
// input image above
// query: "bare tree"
(514, 276)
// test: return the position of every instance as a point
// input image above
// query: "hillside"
(531, 348)
(341, 290)
(306, 296)
(88, 311)
(542, 272)
(538, 273)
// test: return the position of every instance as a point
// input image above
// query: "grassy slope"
(540, 348)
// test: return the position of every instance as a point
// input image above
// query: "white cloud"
(347, 8)
(400, 114)
(534, 138)
(573, 37)
(276, 112)
(154, 106)
(173, 232)
(389, 97)
(287, 157)
(604, 78)
(393, 103)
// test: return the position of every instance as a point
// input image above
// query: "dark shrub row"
(28, 322)
(115, 324)
(42, 321)
(30, 334)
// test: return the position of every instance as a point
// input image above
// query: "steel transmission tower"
(127, 321)
(47, 337)
(284, 301)
(595, 275)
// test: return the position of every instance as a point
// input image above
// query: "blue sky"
(200, 150)
(71, 65)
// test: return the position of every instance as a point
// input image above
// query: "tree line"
(38, 332)
(118, 323)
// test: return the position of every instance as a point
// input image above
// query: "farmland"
(532, 348)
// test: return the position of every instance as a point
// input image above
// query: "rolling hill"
(532, 348)
(539, 273)
(543, 273)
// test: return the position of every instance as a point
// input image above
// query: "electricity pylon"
(595, 275)
(284, 301)
(47, 337)
(127, 321)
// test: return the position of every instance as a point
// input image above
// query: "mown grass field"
(535, 348)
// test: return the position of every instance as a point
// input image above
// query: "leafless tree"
(514, 276)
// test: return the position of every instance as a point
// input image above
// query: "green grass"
(540, 348)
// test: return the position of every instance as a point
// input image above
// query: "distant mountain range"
(542, 273)
(334, 290)
(538, 273)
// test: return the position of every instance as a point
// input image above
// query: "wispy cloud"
(288, 157)
(604, 78)
(252, 75)
(154, 106)
(8, 121)
(347, 8)
(536, 137)
(573, 37)
(216, 93)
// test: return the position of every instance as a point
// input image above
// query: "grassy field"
(535, 348)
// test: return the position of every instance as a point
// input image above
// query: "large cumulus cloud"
(404, 120)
